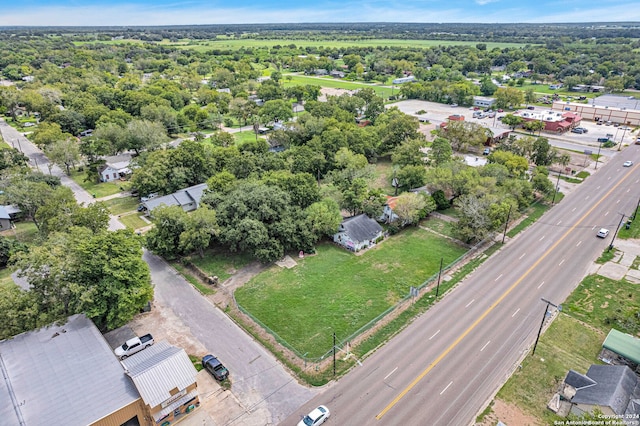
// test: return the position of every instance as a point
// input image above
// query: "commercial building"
(67, 374)
(616, 109)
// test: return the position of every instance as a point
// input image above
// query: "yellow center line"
(492, 307)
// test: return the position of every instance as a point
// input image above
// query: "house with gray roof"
(358, 232)
(188, 199)
(115, 167)
(166, 380)
(613, 389)
(65, 374)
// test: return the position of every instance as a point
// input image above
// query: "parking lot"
(436, 113)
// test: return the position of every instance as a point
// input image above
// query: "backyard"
(305, 305)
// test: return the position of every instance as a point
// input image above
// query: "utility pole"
(334, 354)
(439, 275)
(506, 224)
(616, 233)
(556, 189)
(636, 210)
(546, 309)
(598, 156)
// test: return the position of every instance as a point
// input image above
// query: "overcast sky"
(185, 12)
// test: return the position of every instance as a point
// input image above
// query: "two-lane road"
(444, 368)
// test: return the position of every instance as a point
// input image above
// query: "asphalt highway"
(448, 364)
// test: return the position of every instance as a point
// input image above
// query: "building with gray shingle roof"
(358, 232)
(188, 199)
(64, 375)
(616, 392)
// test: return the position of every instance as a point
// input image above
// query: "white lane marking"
(606, 213)
(598, 187)
(514, 314)
(560, 264)
(523, 255)
(385, 377)
(443, 390)
(485, 345)
(579, 242)
(574, 209)
(469, 304)
(541, 284)
(617, 201)
(558, 223)
(499, 276)
(541, 238)
(434, 334)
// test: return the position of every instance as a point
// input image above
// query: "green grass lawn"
(440, 226)
(383, 92)
(122, 204)
(25, 232)
(567, 344)
(99, 189)
(220, 262)
(336, 291)
(246, 136)
(133, 221)
(605, 303)
(5, 277)
(382, 177)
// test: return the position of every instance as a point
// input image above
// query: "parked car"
(133, 345)
(627, 164)
(531, 107)
(454, 105)
(316, 417)
(215, 367)
(603, 139)
(584, 129)
(500, 110)
(602, 233)
(577, 130)
(599, 123)
(486, 151)
(148, 197)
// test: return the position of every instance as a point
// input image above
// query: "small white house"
(388, 215)
(358, 232)
(115, 167)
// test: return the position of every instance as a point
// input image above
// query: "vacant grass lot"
(337, 291)
(220, 262)
(605, 303)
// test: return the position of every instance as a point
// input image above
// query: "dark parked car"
(577, 130)
(215, 367)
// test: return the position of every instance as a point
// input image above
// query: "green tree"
(164, 238)
(534, 126)
(409, 208)
(508, 97)
(200, 228)
(101, 274)
(441, 152)
(412, 176)
(409, 153)
(323, 217)
(512, 121)
(145, 135)
(64, 153)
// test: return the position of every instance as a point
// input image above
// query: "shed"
(618, 344)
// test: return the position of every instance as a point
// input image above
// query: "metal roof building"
(64, 374)
(157, 372)
(623, 344)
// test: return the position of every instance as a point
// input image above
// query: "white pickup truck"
(134, 345)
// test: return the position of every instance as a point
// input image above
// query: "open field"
(346, 295)
(383, 92)
(122, 204)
